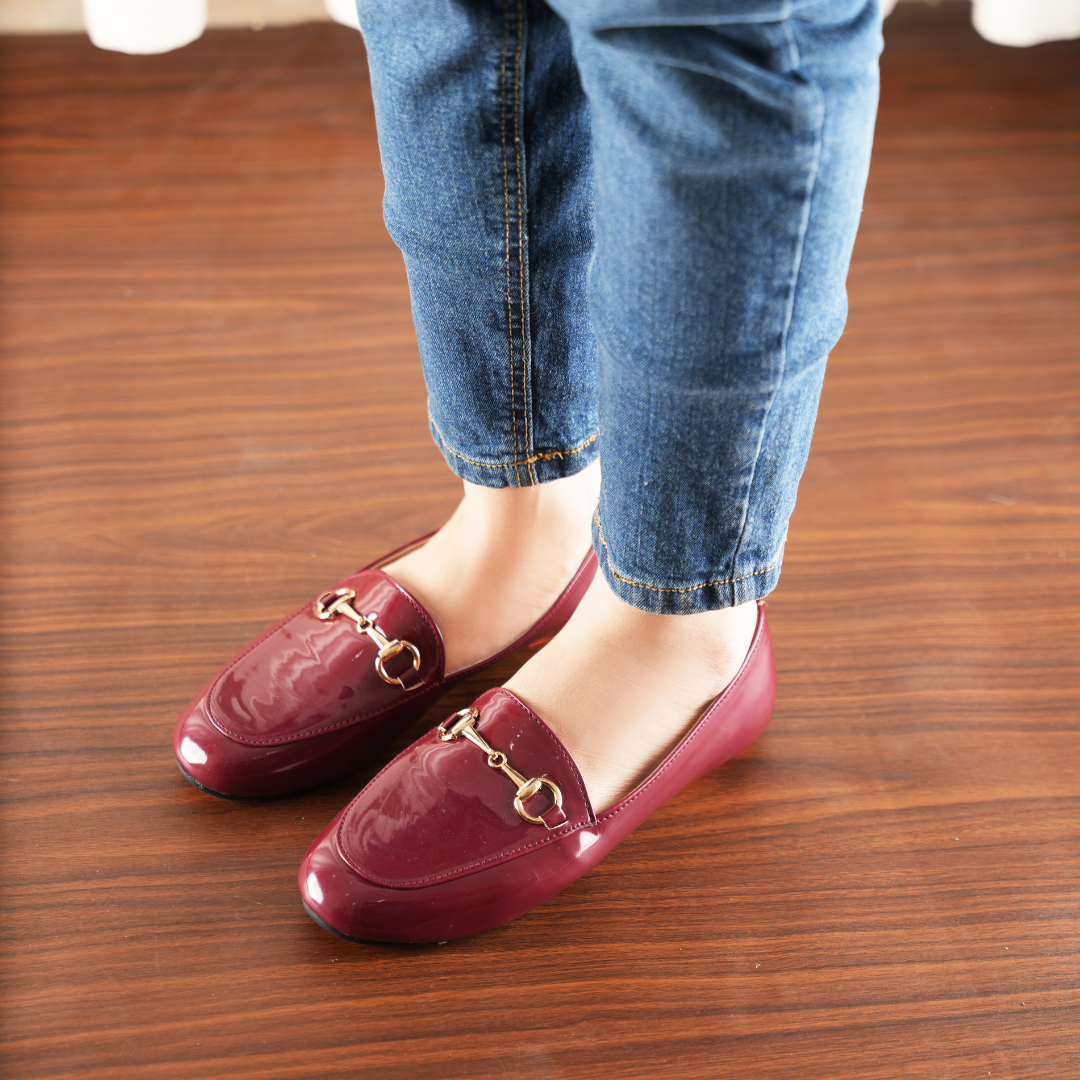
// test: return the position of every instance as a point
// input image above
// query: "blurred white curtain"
(1019, 22)
(144, 26)
(154, 26)
(1026, 22)
(344, 12)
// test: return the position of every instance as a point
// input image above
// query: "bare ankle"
(621, 686)
(515, 512)
(500, 562)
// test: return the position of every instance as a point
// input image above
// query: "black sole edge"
(220, 794)
(322, 924)
(248, 798)
(210, 791)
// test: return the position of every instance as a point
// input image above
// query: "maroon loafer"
(312, 698)
(487, 815)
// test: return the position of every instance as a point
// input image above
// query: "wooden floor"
(212, 410)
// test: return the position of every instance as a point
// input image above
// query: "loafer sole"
(324, 925)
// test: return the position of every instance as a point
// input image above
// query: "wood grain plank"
(212, 407)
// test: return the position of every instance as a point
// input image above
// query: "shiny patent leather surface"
(432, 848)
(308, 676)
(303, 703)
(440, 811)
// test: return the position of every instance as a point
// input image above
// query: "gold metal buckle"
(465, 724)
(339, 602)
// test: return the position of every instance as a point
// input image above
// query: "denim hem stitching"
(688, 588)
(506, 217)
(549, 455)
(521, 210)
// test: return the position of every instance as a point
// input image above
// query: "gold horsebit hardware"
(465, 724)
(339, 602)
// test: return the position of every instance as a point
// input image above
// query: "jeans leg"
(484, 137)
(731, 142)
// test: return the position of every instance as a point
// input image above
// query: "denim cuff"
(537, 468)
(671, 598)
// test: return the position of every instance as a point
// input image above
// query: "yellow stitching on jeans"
(506, 216)
(688, 588)
(548, 456)
(521, 235)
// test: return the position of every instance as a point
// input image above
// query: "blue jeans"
(627, 226)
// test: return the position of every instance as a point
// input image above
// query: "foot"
(620, 687)
(500, 562)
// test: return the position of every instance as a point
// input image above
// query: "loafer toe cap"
(222, 766)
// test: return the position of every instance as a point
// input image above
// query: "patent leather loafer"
(486, 816)
(314, 697)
